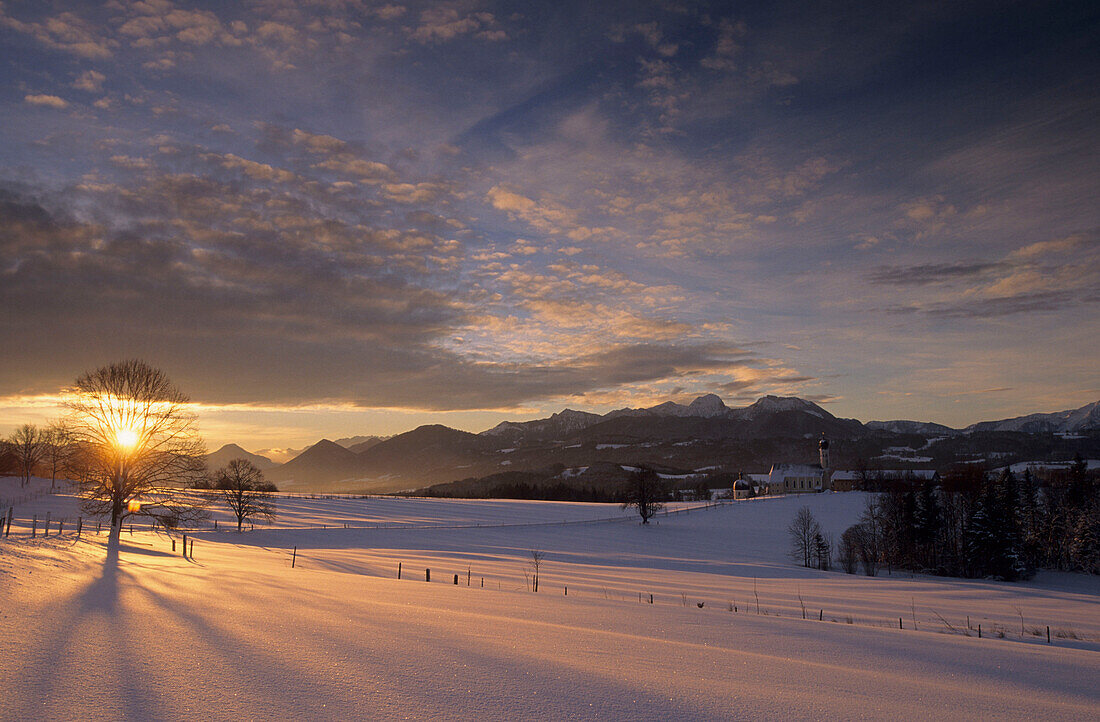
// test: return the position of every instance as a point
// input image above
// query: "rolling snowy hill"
(237, 632)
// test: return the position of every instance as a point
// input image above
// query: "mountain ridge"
(703, 432)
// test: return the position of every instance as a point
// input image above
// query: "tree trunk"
(114, 540)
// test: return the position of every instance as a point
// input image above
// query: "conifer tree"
(928, 520)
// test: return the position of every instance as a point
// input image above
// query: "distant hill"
(323, 463)
(360, 444)
(922, 428)
(558, 425)
(1086, 418)
(227, 453)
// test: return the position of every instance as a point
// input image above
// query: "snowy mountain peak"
(708, 405)
(777, 404)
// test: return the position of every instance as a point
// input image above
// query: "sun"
(126, 438)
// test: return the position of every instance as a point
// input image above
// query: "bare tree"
(646, 491)
(139, 445)
(803, 530)
(848, 550)
(27, 445)
(245, 491)
(870, 528)
(57, 445)
(536, 563)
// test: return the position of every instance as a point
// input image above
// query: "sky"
(338, 217)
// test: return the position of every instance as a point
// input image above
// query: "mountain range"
(683, 439)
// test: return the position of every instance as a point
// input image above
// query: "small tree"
(138, 446)
(536, 564)
(245, 491)
(822, 551)
(646, 491)
(803, 530)
(57, 445)
(27, 445)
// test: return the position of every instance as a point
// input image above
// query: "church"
(802, 478)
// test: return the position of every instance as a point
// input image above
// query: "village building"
(849, 480)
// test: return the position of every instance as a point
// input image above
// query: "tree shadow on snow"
(92, 619)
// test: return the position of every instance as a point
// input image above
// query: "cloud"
(318, 143)
(49, 101)
(90, 81)
(1044, 249)
(930, 273)
(1023, 303)
(726, 46)
(441, 24)
(253, 169)
(66, 32)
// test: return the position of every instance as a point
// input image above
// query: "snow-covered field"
(237, 633)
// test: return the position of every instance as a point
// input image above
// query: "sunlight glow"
(126, 438)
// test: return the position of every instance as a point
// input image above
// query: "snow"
(601, 447)
(913, 458)
(573, 471)
(1018, 467)
(237, 633)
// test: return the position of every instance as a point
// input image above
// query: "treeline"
(541, 492)
(980, 525)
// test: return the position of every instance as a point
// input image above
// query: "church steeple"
(823, 451)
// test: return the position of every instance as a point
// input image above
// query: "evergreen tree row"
(980, 525)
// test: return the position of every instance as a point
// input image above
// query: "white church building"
(802, 478)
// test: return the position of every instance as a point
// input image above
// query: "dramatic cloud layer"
(479, 208)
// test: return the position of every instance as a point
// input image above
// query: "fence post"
(900, 626)
(1048, 634)
(184, 546)
(60, 527)
(979, 631)
(820, 614)
(398, 570)
(456, 580)
(427, 575)
(34, 527)
(192, 554)
(79, 525)
(294, 557)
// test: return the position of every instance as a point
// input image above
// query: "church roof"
(797, 469)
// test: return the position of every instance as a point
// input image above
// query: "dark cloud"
(1024, 303)
(930, 273)
(280, 314)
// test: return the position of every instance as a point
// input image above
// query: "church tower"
(823, 451)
